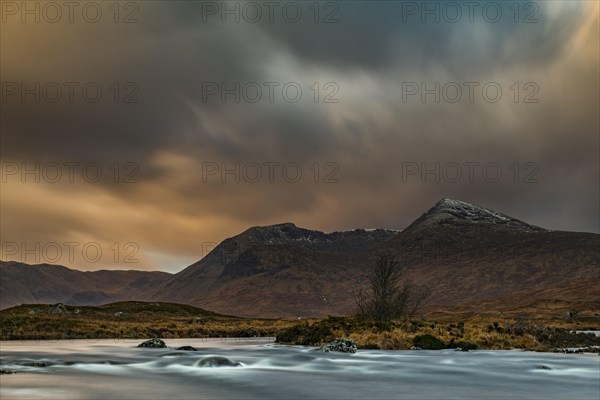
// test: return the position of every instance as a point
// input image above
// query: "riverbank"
(467, 334)
(139, 320)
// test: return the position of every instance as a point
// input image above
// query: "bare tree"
(388, 296)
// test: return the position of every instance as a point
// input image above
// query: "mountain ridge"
(465, 254)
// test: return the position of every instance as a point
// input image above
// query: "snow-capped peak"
(467, 209)
(466, 212)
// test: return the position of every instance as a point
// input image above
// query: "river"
(109, 369)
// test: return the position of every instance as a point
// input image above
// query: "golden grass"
(482, 332)
(147, 320)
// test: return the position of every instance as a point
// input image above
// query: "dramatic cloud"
(198, 98)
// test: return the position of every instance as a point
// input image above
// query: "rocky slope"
(469, 255)
(278, 270)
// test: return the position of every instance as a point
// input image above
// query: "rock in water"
(187, 348)
(153, 343)
(7, 372)
(466, 346)
(37, 364)
(340, 345)
(216, 362)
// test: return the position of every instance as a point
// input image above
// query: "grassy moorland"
(128, 320)
(480, 333)
(139, 320)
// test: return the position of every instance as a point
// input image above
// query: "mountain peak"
(283, 225)
(449, 201)
(458, 206)
(276, 234)
(277, 229)
(451, 211)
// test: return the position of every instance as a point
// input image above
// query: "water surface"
(108, 369)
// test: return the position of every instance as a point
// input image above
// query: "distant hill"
(472, 258)
(125, 320)
(44, 283)
(133, 310)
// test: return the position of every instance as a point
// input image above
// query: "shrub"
(428, 342)
(305, 334)
(370, 346)
(388, 296)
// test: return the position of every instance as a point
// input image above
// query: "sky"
(139, 136)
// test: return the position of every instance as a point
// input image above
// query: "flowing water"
(118, 370)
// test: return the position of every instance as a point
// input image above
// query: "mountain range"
(472, 259)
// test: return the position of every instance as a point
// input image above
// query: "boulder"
(37, 364)
(187, 348)
(153, 343)
(339, 345)
(572, 314)
(119, 314)
(568, 351)
(465, 346)
(58, 308)
(217, 362)
(7, 372)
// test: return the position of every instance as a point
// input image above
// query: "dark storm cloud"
(170, 59)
